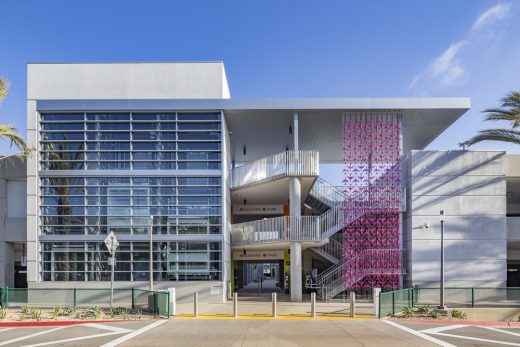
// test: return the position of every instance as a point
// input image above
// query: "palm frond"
(8, 131)
(496, 114)
(502, 135)
(511, 100)
(3, 88)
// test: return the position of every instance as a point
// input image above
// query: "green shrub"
(93, 312)
(69, 310)
(458, 314)
(434, 314)
(407, 311)
(25, 310)
(120, 310)
(3, 313)
(56, 312)
(36, 313)
(426, 309)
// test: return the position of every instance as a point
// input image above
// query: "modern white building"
(234, 191)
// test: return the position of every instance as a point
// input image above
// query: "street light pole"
(151, 252)
(441, 303)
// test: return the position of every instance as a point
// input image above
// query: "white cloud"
(448, 69)
(491, 16)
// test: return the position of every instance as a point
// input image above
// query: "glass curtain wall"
(133, 146)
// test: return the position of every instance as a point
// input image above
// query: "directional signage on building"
(258, 209)
(257, 255)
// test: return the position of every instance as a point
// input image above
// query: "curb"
(461, 322)
(60, 323)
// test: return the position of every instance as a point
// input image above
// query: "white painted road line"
(478, 339)
(107, 327)
(419, 334)
(25, 337)
(443, 328)
(72, 339)
(501, 331)
(5, 329)
(133, 334)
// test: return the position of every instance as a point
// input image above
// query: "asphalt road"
(261, 332)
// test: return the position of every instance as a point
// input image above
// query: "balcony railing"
(279, 229)
(288, 163)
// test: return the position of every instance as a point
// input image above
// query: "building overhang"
(262, 126)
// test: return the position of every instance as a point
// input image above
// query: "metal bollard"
(196, 305)
(352, 304)
(313, 305)
(376, 292)
(235, 305)
(274, 305)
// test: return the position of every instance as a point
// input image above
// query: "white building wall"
(12, 215)
(471, 188)
(127, 81)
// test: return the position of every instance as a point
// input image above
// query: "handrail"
(326, 192)
(288, 163)
(278, 229)
(351, 270)
(333, 248)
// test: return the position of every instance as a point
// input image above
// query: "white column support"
(296, 271)
(295, 203)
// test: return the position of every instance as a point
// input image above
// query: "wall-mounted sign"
(257, 255)
(258, 209)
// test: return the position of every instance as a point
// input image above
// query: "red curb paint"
(463, 322)
(58, 323)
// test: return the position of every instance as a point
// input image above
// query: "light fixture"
(442, 216)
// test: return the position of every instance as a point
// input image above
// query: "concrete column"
(296, 271)
(295, 202)
(295, 130)
(295, 196)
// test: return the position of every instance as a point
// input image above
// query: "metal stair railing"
(284, 164)
(334, 280)
(326, 192)
(333, 248)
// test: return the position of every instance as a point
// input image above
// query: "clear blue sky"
(284, 48)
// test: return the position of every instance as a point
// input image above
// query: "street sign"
(111, 242)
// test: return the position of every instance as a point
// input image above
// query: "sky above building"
(272, 48)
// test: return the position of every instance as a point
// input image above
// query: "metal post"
(352, 304)
(196, 305)
(393, 302)
(313, 305)
(168, 304)
(235, 305)
(113, 263)
(275, 311)
(6, 297)
(151, 253)
(75, 296)
(133, 299)
(441, 303)
(377, 308)
(472, 297)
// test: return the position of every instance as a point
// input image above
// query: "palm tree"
(508, 111)
(8, 131)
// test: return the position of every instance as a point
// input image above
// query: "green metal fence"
(394, 301)
(155, 302)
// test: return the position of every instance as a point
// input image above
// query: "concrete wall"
(127, 81)
(471, 188)
(12, 214)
